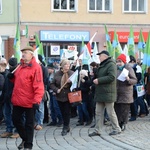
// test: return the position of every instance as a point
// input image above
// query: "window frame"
(130, 7)
(65, 10)
(103, 6)
(0, 7)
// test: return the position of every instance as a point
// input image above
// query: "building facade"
(8, 19)
(63, 23)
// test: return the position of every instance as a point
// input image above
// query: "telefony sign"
(75, 36)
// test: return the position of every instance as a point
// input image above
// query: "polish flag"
(89, 44)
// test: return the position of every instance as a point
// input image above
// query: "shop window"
(64, 5)
(135, 6)
(100, 5)
(0, 6)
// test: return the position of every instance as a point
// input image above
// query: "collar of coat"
(103, 62)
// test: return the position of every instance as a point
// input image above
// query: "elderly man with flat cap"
(105, 93)
(27, 95)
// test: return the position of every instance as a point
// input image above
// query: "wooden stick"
(64, 85)
(15, 68)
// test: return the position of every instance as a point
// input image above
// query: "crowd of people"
(105, 95)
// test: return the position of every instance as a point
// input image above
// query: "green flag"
(108, 42)
(39, 47)
(82, 47)
(130, 44)
(116, 46)
(146, 58)
(16, 46)
(141, 42)
(26, 31)
(37, 41)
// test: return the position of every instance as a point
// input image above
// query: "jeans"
(26, 131)
(8, 116)
(39, 115)
(139, 101)
(54, 109)
(82, 110)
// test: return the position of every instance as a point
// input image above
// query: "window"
(0, 6)
(64, 5)
(135, 6)
(100, 5)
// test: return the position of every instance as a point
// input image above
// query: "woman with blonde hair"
(61, 86)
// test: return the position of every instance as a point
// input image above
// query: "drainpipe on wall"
(18, 13)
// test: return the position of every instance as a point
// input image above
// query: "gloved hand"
(10, 75)
(36, 107)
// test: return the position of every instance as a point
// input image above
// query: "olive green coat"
(105, 91)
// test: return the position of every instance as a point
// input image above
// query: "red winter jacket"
(28, 84)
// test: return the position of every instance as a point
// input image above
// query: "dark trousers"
(122, 112)
(139, 101)
(26, 131)
(65, 109)
(55, 110)
(1, 112)
(46, 117)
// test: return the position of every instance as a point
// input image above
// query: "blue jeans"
(82, 110)
(139, 101)
(7, 111)
(39, 115)
(54, 109)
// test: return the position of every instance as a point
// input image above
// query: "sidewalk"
(135, 137)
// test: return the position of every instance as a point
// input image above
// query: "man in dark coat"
(105, 93)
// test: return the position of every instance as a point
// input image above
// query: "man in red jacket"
(27, 95)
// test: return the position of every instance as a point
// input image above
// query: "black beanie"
(13, 62)
(132, 58)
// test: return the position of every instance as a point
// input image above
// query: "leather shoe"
(132, 119)
(115, 132)
(65, 131)
(94, 134)
(52, 124)
(80, 124)
(21, 146)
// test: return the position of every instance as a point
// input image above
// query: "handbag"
(46, 96)
(75, 97)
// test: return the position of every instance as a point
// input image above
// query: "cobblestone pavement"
(135, 137)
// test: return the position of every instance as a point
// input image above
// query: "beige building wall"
(38, 15)
(41, 11)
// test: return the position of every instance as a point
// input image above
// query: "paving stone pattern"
(135, 137)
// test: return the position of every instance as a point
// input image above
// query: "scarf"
(64, 79)
(121, 67)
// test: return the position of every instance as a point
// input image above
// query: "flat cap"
(29, 48)
(103, 52)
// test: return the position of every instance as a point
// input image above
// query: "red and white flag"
(89, 44)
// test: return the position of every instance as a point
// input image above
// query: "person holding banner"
(124, 90)
(61, 86)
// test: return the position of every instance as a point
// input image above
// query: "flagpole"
(15, 68)
(63, 85)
